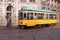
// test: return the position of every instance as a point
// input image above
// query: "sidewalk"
(3, 27)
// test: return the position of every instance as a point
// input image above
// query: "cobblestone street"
(46, 33)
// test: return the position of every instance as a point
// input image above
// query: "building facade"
(18, 4)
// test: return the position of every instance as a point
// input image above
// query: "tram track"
(44, 33)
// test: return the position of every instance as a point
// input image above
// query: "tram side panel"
(33, 22)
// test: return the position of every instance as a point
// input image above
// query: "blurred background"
(13, 6)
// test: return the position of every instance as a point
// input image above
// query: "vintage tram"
(32, 18)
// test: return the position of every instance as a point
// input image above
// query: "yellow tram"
(28, 17)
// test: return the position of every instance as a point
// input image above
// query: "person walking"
(8, 16)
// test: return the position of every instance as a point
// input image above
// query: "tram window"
(24, 16)
(34, 16)
(52, 16)
(40, 16)
(55, 17)
(30, 16)
(46, 16)
(20, 15)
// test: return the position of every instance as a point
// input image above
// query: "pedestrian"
(8, 20)
(8, 16)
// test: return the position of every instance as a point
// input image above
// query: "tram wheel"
(47, 25)
(38, 26)
(52, 25)
(21, 27)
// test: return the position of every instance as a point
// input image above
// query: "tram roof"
(35, 9)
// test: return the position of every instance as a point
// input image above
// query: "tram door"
(8, 15)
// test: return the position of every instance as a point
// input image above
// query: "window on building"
(48, 4)
(22, 0)
(52, 0)
(43, 7)
(32, 0)
(48, 8)
(43, 3)
(10, 0)
(1, 0)
(1, 7)
(52, 4)
(45, 0)
(55, 1)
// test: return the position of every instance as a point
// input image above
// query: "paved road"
(46, 33)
